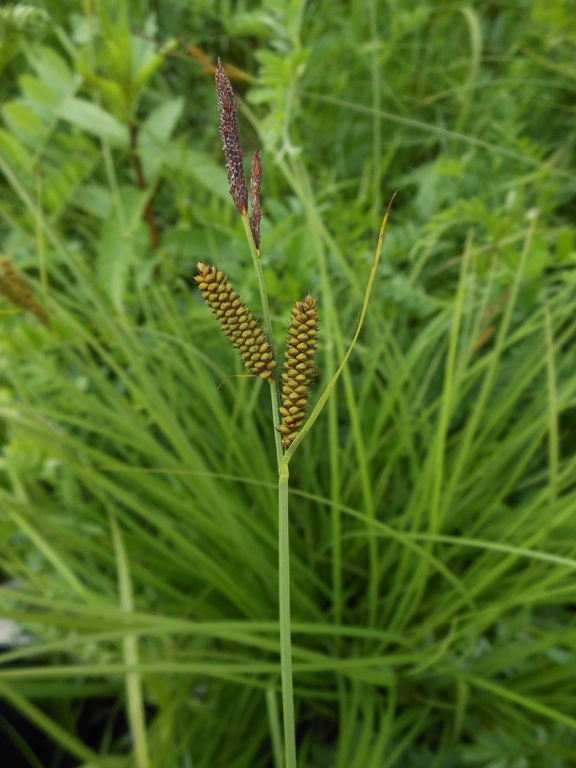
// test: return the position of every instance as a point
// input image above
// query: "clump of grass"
(431, 530)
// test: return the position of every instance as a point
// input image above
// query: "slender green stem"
(43, 722)
(274, 725)
(134, 686)
(283, 536)
(375, 70)
(268, 324)
(285, 627)
(40, 242)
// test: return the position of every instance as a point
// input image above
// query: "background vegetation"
(433, 503)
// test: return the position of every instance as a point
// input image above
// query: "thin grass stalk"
(40, 242)
(284, 617)
(299, 179)
(134, 694)
(332, 383)
(376, 93)
(51, 554)
(74, 265)
(507, 694)
(274, 725)
(448, 389)
(45, 724)
(331, 316)
(553, 438)
(490, 376)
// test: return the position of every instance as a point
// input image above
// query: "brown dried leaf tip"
(298, 369)
(231, 140)
(237, 321)
(13, 287)
(255, 184)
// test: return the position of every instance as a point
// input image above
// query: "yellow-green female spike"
(298, 370)
(237, 321)
(13, 287)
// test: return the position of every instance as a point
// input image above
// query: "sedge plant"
(256, 348)
(431, 526)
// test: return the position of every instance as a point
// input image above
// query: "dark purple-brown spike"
(255, 184)
(231, 140)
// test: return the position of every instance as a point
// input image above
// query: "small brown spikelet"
(298, 369)
(231, 140)
(13, 287)
(255, 184)
(237, 321)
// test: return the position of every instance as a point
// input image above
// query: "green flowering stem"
(283, 535)
(268, 325)
(284, 617)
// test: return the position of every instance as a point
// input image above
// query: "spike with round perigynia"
(237, 321)
(298, 371)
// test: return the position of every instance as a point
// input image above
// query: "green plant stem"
(285, 627)
(275, 729)
(283, 535)
(134, 692)
(43, 722)
(268, 323)
(40, 243)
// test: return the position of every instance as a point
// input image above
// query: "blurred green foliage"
(449, 451)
